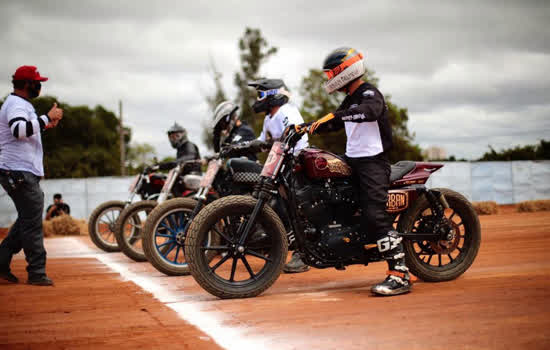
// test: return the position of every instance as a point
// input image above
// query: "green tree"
(213, 101)
(528, 152)
(254, 51)
(318, 103)
(139, 156)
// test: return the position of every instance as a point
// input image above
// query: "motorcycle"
(128, 228)
(440, 229)
(166, 226)
(101, 223)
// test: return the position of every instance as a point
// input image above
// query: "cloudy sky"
(471, 73)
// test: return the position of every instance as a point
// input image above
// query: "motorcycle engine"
(329, 209)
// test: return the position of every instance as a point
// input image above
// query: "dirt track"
(503, 301)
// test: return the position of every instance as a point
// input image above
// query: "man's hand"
(316, 124)
(55, 114)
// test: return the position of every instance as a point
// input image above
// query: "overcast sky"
(471, 73)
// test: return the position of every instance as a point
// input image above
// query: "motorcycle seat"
(400, 169)
(243, 165)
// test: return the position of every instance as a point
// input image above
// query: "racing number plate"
(166, 186)
(273, 160)
(134, 183)
(397, 201)
(211, 173)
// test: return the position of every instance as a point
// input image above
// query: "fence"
(502, 182)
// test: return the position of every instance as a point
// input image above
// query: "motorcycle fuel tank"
(323, 164)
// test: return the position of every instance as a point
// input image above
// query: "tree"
(318, 103)
(213, 101)
(84, 144)
(139, 156)
(254, 51)
(528, 152)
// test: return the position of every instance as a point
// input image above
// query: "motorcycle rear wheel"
(254, 266)
(101, 225)
(453, 257)
(129, 229)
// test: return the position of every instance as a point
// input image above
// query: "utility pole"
(122, 148)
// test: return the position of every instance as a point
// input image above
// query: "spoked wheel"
(129, 229)
(101, 225)
(164, 236)
(443, 260)
(238, 270)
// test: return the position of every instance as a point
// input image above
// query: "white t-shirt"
(23, 153)
(275, 125)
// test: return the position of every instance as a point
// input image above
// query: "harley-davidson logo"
(397, 201)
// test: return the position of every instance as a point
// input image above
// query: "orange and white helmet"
(342, 66)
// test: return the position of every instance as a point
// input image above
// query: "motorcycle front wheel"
(101, 225)
(238, 270)
(129, 229)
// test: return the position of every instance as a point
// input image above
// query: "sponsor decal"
(368, 93)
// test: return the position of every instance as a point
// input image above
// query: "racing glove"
(316, 124)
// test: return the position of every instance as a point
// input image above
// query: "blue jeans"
(26, 233)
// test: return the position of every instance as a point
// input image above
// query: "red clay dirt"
(501, 302)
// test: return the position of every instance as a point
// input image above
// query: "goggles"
(331, 73)
(263, 94)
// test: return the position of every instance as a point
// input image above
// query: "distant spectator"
(57, 208)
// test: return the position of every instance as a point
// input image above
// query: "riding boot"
(398, 280)
(295, 265)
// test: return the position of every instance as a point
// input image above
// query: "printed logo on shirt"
(353, 117)
(368, 93)
(285, 121)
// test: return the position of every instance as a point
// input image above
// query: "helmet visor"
(331, 73)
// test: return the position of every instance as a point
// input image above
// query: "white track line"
(211, 323)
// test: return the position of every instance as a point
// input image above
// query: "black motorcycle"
(440, 228)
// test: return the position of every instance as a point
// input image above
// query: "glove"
(316, 124)
(302, 128)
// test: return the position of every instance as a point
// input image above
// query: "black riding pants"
(372, 177)
(26, 233)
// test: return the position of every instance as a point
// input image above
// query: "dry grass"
(531, 206)
(64, 225)
(486, 208)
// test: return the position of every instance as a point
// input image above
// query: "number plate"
(211, 173)
(134, 183)
(273, 161)
(166, 188)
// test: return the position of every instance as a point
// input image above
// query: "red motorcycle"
(440, 229)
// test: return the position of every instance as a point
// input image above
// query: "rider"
(273, 101)
(364, 115)
(229, 129)
(187, 150)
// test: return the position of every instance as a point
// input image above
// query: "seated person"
(57, 208)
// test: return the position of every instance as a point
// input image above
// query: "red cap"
(28, 73)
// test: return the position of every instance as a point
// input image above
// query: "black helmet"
(342, 66)
(177, 135)
(225, 116)
(271, 93)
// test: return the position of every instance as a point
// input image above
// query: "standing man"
(57, 208)
(364, 115)
(21, 169)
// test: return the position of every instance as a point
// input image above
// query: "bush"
(531, 206)
(486, 207)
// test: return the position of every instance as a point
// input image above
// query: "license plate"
(273, 160)
(211, 173)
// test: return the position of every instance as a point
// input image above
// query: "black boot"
(8, 276)
(398, 280)
(295, 265)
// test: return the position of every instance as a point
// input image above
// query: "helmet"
(271, 93)
(342, 66)
(225, 116)
(177, 135)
